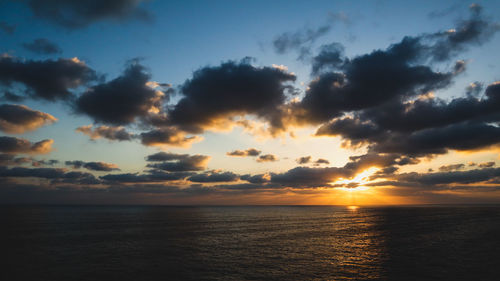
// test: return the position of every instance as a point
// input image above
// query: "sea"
(67, 243)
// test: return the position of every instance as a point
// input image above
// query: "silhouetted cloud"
(451, 167)
(151, 176)
(45, 79)
(39, 163)
(321, 161)
(13, 145)
(267, 158)
(47, 173)
(216, 94)
(17, 119)
(487, 164)
(214, 176)
(111, 133)
(244, 153)
(42, 46)
(93, 166)
(123, 99)
(74, 14)
(168, 136)
(462, 177)
(178, 162)
(304, 160)
(256, 179)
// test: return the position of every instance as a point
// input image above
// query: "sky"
(249, 102)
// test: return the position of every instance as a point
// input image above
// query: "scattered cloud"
(13, 145)
(244, 153)
(17, 119)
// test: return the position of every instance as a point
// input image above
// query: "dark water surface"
(250, 243)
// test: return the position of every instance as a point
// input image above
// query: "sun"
(358, 181)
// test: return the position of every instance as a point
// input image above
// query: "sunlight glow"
(358, 181)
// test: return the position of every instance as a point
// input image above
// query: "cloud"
(123, 99)
(42, 46)
(151, 176)
(168, 136)
(75, 14)
(56, 174)
(321, 161)
(454, 177)
(178, 162)
(216, 94)
(451, 167)
(111, 133)
(304, 160)
(7, 28)
(17, 119)
(308, 159)
(93, 166)
(302, 39)
(13, 145)
(214, 176)
(256, 179)
(244, 153)
(11, 160)
(45, 79)
(330, 57)
(487, 164)
(267, 158)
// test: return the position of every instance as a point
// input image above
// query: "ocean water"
(249, 243)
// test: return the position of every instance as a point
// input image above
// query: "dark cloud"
(267, 158)
(121, 100)
(74, 14)
(321, 161)
(93, 166)
(47, 173)
(12, 145)
(256, 179)
(151, 176)
(330, 57)
(370, 80)
(45, 79)
(168, 136)
(304, 160)
(244, 153)
(214, 176)
(42, 46)
(178, 162)
(451, 167)
(302, 39)
(309, 177)
(107, 132)
(455, 177)
(7, 28)
(216, 94)
(299, 40)
(11, 160)
(473, 31)
(17, 119)
(385, 99)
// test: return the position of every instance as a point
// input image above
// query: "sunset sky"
(249, 102)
